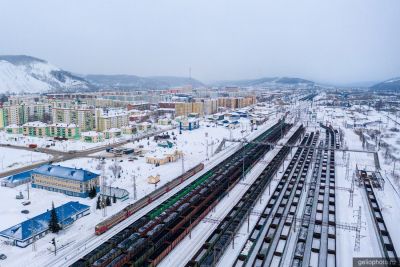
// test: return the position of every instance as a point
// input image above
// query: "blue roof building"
(26, 232)
(69, 181)
(17, 179)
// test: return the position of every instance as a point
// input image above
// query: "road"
(59, 156)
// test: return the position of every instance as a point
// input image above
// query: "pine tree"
(114, 199)
(108, 201)
(54, 227)
(89, 193)
(94, 192)
(98, 204)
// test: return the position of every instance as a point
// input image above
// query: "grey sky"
(338, 41)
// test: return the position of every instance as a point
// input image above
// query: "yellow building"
(81, 116)
(2, 122)
(165, 158)
(36, 128)
(69, 181)
(111, 119)
(183, 108)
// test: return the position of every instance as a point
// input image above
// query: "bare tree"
(115, 168)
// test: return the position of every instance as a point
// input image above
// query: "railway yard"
(299, 191)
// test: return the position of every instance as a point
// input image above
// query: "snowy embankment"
(15, 158)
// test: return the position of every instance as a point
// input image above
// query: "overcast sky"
(341, 41)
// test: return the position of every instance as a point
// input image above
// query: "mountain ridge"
(266, 82)
(134, 81)
(26, 74)
(391, 84)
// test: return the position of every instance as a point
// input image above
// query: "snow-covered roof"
(40, 223)
(64, 125)
(12, 126)
(113, 130)
(35, 124)
(65, 172)
(90, 133)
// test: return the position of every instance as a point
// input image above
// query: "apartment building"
(2, 119)
(37, 129)
(184, 108)
(15, 111)
(64, 130)
(82, 116)
(109, 119)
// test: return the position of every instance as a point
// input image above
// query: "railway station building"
(69, 181)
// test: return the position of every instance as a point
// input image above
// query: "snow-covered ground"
(63, 146)
(346, 213)
(15, 158)
(388, 199)
(191, 143)
(189, 245)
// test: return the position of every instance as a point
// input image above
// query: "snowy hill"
(25, 74)
(267, 82)
(133, 81)
(392, 84)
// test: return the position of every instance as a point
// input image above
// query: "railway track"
(149, 239)
(316, 241)
(385, 241)
(216, 244)
(266, 243)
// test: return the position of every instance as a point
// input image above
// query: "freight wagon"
(132, 208)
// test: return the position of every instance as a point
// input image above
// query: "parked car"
(26, 203)
(3, 257)
(25, 211)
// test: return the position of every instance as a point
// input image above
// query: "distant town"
(119, 166)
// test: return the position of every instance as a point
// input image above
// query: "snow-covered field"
(15, 158)
(191, 143)
(63, 146)
(346, 213)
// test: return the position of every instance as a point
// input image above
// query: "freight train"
(132, 208)
(155, 234)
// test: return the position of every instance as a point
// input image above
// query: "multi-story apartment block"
(82, 116)
(184, 108)
(20, 113)
(210, 106)
(37, 128)
(236, 102)
(106, 120)
(63, 130)
(2, 119)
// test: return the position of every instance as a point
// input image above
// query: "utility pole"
(27, 188)
(53, 241)
(134, 186)
(243, 155)
(103, 190)
(183, 164)
(358, 231)
(206, 149)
